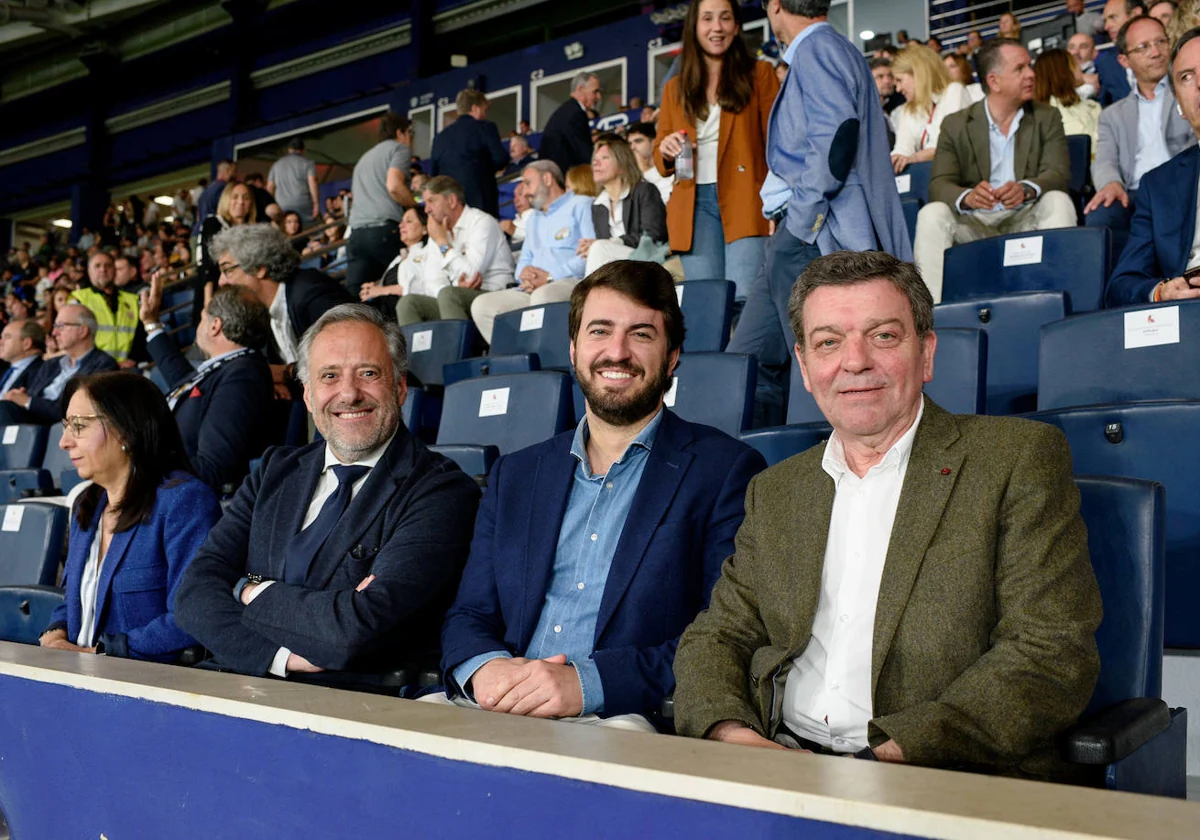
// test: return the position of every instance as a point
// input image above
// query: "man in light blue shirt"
(549, 265)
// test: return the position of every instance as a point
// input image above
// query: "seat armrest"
(1112, 734)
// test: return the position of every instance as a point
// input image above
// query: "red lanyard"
(928, 122)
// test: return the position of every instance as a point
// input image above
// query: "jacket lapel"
(298, 492)
(807, 514)
(724, 133)
(1186, 184)
(977, 136)
(552, 479)
(1023, 143)
(117, 546)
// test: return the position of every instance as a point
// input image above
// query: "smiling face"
(94, 452)
(862, 359)
(715, 27)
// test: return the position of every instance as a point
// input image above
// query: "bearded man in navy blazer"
(594, 550)
(336, 559)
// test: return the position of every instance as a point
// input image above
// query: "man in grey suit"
(1001, 165)
(918, 588)
(1138, 133)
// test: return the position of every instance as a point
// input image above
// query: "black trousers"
(368, 254)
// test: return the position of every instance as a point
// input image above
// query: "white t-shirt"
(708, 136)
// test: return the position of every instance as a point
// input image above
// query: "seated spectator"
(1054, 81)
(212, 402)
(627, 209)
(1008, 27)
(292, 225)
(549, 266)
(929, 97)
(1142, 131)
(579, 181)
(1161, 257)
(520, 154)
(968, 202)
(469, 151)
(934, 43)
(125, 275)
(641, 136)
(1162, 11)
(134, 529)
(86, 239)
(1116, 80)
(553, 621)
(406, 273)
(119, 334)
(21, 346)
(885, 82)
(1186, 16)
(975, 663)
(41, 401)
(342, 555)
(960, 70)
(417, 184)
(236, 207)
(514, 228)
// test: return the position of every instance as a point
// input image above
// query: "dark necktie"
(305, 545)
(4, 379)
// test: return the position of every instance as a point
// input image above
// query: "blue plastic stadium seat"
(510, 411)
(1012, 323)
(15, 483)
(1073, 260)
(911, 208)
(25, 612)
(31, 543)
(779, 443)
(433, 344)
(473, 460)
(535, 329)
(707, 313)
(57, 460)
(1084, 361)
(1153, 441)
(22, 447)
(411, 410)
(716, 389)
(489, 365)
(915, 178)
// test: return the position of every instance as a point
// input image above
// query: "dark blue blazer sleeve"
(1138, 270)
(491, 139)
(165, 352)
(229, 438)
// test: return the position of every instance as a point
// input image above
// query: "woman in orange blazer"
(719, 103)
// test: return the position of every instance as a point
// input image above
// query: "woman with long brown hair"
(720, 102)
(1055, 76)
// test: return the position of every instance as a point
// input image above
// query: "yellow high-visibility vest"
(115, 330)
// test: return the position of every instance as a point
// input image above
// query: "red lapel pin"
(945, 471)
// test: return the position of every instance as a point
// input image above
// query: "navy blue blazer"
(567, 137)
(680, 529)
(140, 574)
(27, 376)
(1114, 81)
(223, 419)
(51, 411)
(470, 152)
(1161, 232)
(408, 525)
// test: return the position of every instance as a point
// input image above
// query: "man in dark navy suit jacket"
(338, 559)
(567, 137)
(22, 344)
(221, 406)
(469, 151)
(594, 550)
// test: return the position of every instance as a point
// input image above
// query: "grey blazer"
(1116, 145)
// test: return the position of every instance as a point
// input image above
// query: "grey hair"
(581, 79)
(258, 246)
(548, 166)
(86, 318)
(357, 313)
(806, 8)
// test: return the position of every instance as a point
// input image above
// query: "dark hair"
(1123, 33)
(1052, 76)
(35, 332)
(1190, 35)
(882, 61)
(244, 318)
(990, 58)
(806, 8)
(964, 67)
(847, 268)
(646, 129)
(135, 411)
(296, 143)
(445, 185)
(390, 123)
(647, 283)
(736, 85)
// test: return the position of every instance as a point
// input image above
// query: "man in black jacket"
(21, 346)
(469, 151)
(567, 138)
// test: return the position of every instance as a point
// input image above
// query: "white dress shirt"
(615, 212)
(708, 136)
(827, 697)
(477, 245)
(281, 325)
(917, 130)
(89, 590)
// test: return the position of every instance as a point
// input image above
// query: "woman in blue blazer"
(135, 528)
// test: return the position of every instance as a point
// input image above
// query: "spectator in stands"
(1162, 11)
(567, 138)
(469, 151)
(520, 154)
(549, 266)
(41, 401)
(125, 275)
(978, 663)
(1082, 48)
(134, 529)
(929, 97)
(292, 182)
(968, 202)
(1142, 131)
(715, 218)
(1187, 15)
(934, 43)
(406, 274)
(1082, 20)
(206, 204)
(641, 136)
(1161, 257)
(265, 206)
(1008, 27)
(213, 401)
(236, 207)
(86, 239)
(1054, 84)
(380, 186)
(960, 70)
(622, 600)
(514, 228)
(119, 334)
(342, 555)
(292, 226)
(1116, 80)
(579, 181)
(626, 210)
(21, 346)
(885, 83)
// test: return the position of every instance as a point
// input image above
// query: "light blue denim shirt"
(587, 542)
(553, 234)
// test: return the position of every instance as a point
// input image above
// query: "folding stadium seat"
(433, 344)
(475, 461)
(1012, 323)
(411, 409)
(716, 389)
(1153, 441)
(1123, 355)
(21, 451)
(913, 182)
(1127, 728)
(509, 412)
(31, 543)
(959, 378)
(782, 442)
(1072, 260)
(707, 313)
(488, 365)
(536, 329)
(1079, 150)
(25, 611)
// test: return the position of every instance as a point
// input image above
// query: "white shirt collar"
(278, 308)
(896, 458)
(604, 200)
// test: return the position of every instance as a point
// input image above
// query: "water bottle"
(684, 168)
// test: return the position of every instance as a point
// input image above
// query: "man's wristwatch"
(1030, 192)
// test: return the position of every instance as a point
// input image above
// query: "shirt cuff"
(589, 683)
(258, 590)
(463, 673)
(279, 663)
(958, 203)
(1036, 189)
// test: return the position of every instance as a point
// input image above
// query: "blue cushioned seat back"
(1012, 323)
(31, 543)
(25, 611)
(471, 459)
(22, 446)
(1124, 518)
(917, 181)
(1155, 442)
(716, 389)
(410, 412)
(510, 411)
(779, 443)
(488, 365)
(14, 483)
(1073, 260)
(57, 460)
(527, 331)
(1079, 150)
(1084, 361)
(707, 313)
(432, 344)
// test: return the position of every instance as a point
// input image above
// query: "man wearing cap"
(293, 182)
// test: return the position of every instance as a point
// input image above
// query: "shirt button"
(595, 537)
(832, 686)
(609, 485)
(844, 617)
(557, 628)
(579, 585)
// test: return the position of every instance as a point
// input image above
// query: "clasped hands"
(533, 277)
(984, 196)
(546, 688)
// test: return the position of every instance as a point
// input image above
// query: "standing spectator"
(930, 97)
(236, 207)
(469, 151)
(181, 207)
(1116, 80)
(1008, 27)
(292, 181)
(206, 205)
(715, 218)
(196, 192)
(119, 332)
(641, 136)
(626, 209)
(380, 187)
(1082, 20)
(1054, 85)
(567, 138)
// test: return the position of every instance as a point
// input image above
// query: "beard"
(351, 445)
(623, 409)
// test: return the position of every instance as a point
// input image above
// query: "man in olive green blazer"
(983, 644)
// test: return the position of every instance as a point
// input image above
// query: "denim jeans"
(711, 257)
